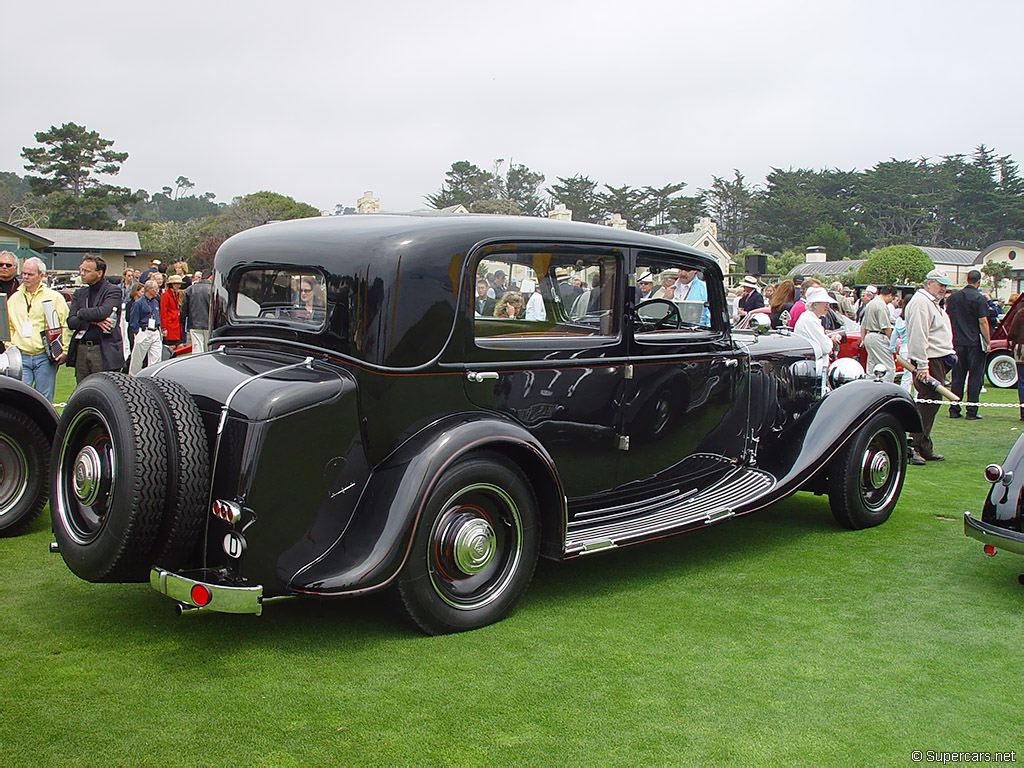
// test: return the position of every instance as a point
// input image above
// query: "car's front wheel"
(474, 550)
(1002, 370)
(866, 476)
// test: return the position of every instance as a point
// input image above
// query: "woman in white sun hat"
(809, 326)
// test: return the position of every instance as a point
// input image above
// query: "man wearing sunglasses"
(8, 273)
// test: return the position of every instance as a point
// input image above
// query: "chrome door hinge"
(628, 372)
(623, 442)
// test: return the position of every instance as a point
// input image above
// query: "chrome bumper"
(223, 599)
(1000, 538)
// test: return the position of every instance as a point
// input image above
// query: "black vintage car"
(372, 415)
(1002, 518)
(27, 424)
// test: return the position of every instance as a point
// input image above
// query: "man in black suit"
(968, 314)
(483, 304)
(93, 318)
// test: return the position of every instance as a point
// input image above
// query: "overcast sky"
(324, 100)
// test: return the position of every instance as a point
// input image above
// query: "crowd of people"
(113, 325)
(109, 324)
(933, 333)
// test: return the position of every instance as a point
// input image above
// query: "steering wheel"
(662, 322)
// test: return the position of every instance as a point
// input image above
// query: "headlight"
(10, 362)
(761, 322)
(843, 371)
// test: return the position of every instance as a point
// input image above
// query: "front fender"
(377, 542)
(802, 448)
(21, 396)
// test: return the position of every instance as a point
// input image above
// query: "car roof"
(405, 269)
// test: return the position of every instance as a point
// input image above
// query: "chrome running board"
(665, 512)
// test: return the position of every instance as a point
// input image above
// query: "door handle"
(479, 376)
(731, 362)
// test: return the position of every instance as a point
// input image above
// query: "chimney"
(816, 254)
(560, 213)
(368, 203)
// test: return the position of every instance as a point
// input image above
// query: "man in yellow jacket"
(28, 327)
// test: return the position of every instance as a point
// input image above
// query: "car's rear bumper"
(212, 597)
(1000, 538)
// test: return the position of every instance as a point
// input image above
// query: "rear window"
(281, 296)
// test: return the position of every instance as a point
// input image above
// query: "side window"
(529, 294)
(672, 296)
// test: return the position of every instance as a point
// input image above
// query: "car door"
(551, 354)
(685, 411)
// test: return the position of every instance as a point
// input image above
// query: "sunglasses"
(4, 264)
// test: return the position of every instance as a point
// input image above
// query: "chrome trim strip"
(224, 599)
(1000, 538)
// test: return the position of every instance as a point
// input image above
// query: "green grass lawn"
(773, 639)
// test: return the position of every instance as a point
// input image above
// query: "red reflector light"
(993, 473)
(227, 510)
(990, 550)
(200, 595)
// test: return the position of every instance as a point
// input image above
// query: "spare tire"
(108, 478)
(188, 473)
(24, 454)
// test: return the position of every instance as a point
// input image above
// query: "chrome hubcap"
(878, 471)
(87, 474)
(474, 545)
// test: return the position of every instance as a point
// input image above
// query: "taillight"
(232, 513)
(993, 473)
(990, 550)
(200, 595)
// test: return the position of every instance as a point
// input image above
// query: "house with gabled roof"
(23, 242)
(69, 245)
(704, 237)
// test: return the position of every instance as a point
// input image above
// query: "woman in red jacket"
(170, 325)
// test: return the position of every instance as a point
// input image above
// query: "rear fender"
(375, 546)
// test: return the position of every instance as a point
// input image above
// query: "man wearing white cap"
(751, 298)
(930, 346)
(645, 287)
(809, 326)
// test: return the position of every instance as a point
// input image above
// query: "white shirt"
(808, 326)
(535, 308)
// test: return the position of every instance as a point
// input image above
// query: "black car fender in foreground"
(28, 422)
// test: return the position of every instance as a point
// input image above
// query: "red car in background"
(848, 332)
(1001, 367)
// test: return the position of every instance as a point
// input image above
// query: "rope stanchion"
(971, 405)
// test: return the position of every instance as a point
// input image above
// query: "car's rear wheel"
(1002, 370)
(866, 476)
(108, 478)
(188, 473)
(24, 454)
(474, 550)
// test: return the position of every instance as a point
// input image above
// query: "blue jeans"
(1020, 388)
(37, 371)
